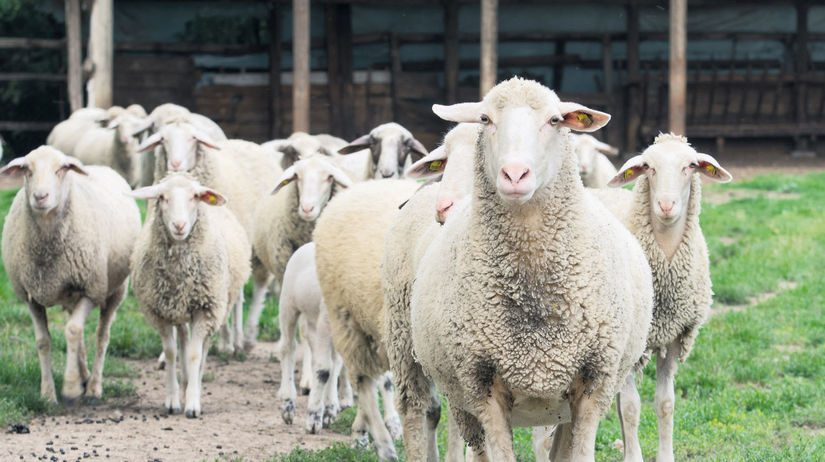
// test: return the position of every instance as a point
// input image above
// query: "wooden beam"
(274, 28)
(300, 65)
(489, 49)
(101, 52)
(678, 71)
(15, 126)
(451, 51)
(23, 76)
(74, 44)
(633, 105)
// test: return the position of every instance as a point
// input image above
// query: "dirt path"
(241, 418)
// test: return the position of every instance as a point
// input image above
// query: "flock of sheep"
(514, 286)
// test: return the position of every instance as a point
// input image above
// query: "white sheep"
(285, 221)
(190, 263)
(532, 300)
(665, 219)
(301, 295)
(594, 166)
(112, 146)
(390, 147)
(66, 134)
(348, 239)
(406, 240)
(67, 241)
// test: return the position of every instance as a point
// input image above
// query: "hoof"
(161, 365)
(191, 414)
(362, 440)
(172, 410)
(314, 423)
(71, 402)
(92, 400)
(330, 414)
(249, 345)
(288, 411)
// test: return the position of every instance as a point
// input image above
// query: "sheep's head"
(299, 146)
(669, 164)
(314, 178)
(390, 145)
(587, 150)
(47, 175)
(178, 200)
(180, 141)
(524, 134)
(453, 160)
(126, 124)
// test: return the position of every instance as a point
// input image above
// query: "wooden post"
(274, 27)
(74, 69)
(678, 72)
(634, 107)
(101, 51)
(801, 68)
(395, 73)
(300, 65)
(451, 55)
(333, 68)
(346, 60)
(489, 42)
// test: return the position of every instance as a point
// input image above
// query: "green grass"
(752, 389)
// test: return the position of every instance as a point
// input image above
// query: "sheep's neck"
(669, 237)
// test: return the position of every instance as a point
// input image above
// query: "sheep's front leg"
(94, 391)
(43, 342)
(328, 364)
(225, 339)
(629, 406)
(345, 399)
(306, 358)
(237, 324)
(287, 394)
(371, 416)
(172, 402)
(495, 420)
(182, 332)
(72, 380)
(391, 419)
(196, 355)
(262, 279)
(664, 400)
(562, 443)
(161, 364)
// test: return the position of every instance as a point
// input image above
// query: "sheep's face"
(126, 125)
(669, 164)
(524, 134)
(46, 173)
(587, 150)
(178, 200)
(390, 146)
(180, 143)
(301, 146)
(314, 178)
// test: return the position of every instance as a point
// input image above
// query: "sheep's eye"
(555, 120)
(162, 198)
(694, 165)
(329, 179)
(645, 166)
(484, 119)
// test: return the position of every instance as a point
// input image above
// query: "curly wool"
(682, 285)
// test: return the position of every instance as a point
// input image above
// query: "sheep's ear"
(709, 167)
(430, 165)
(287, 177)
(416, 149)
(150, 142)
(211, 197)
(341, 179)
(147, 192)
(74, 165)
(290, 155)
(205, 140)
(358, 144)
(632, 169)
(142, 127)
(582, 118)
(15, 168)
(461, 112)
(605, 148)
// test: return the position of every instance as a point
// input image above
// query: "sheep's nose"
(179, 225)
(307, 208)
(176, 165)
(442, 208)
(387, 174)
(40, 197)
(515, 173)
(666, 206)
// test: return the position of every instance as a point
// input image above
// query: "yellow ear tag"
(212, 199)
(585, 119)
(435, 165)
(628, 174)
(285, 182)
(710, 169)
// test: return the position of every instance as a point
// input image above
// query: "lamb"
(301, 295)
(390, 146)
(67, 241)
(113, 146)
(413, 229)
(532, 300)
(190, 263)
(665, 220)
(348, 239)
(285, 221)
(594, 166)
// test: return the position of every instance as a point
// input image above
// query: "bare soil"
(241, 418)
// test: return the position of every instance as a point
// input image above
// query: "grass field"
(752, 389)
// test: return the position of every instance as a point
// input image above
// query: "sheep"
(348, 238)
(66, 134)
(665, 219)
(532, 300)
(285, 221)
(406, 240)
(67, 241)
(240, 169)
(113, 146)
(190, 263)
(594, 166)
(390, 146)
(301, 295)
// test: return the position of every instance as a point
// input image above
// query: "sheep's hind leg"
(322, 390)
(542, 442)
(629, 405)
(586, 411)
(237, 325)
(261, 279)
(196, 356)
(455, 443)
(72, 380)
(94, 390)
(391, 419)
(306, 358)
(664, 400)
(368, 407)
(495, 420)
(287, 393)
(43, 342)
(172, 401)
